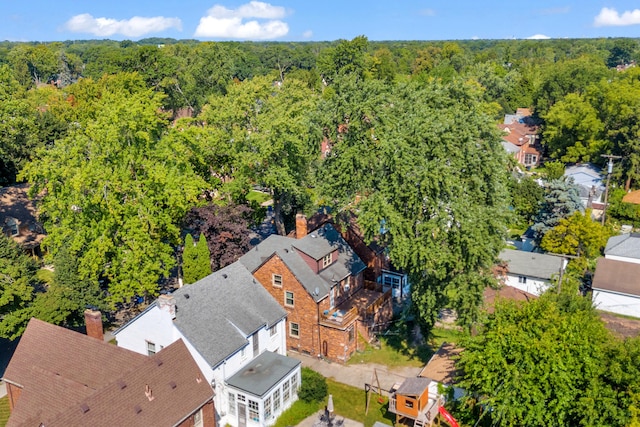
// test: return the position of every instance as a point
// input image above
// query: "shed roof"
(218, 312)
(624, 245)
(265, 371)
(617, 276)
(531, 264)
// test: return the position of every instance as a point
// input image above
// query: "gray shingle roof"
(624, 245)
(531, 264)
(413, 386)
(217, 313)
(317, 244)
(259, 376)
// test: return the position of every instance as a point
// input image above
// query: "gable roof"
(15, 203)
(218, 312)
(442, 366)
(518, 132)
(531, 264)
(317, 244)
(624, 245)
(68, 378)
(617, 276)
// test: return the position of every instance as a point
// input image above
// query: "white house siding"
(156, 326)
(532, 285)
(627, 305)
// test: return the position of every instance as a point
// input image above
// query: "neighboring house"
(378, 265)
(505, 292)
(530, 272)
(318, 279)
(616, 283)
(58, 377)
(236, 333)
(632, 197)
(589, 180)
(18, 218)
(520, 138)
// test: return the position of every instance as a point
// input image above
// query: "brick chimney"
(301, 226)
(93, 322)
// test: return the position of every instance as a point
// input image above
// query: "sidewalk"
(359, 374)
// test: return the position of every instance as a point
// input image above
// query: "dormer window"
(326, 261)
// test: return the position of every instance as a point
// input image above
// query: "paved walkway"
(357, 375)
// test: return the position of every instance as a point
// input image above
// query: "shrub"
(313, 387)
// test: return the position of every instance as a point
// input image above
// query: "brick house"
(58, 377)
(318, 279)
(520, 137)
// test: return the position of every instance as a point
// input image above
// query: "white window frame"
(151, 348)
(292, 329)
(327, 260)
(273, 330)
(276, 280)
(286, 299)
(522, 279)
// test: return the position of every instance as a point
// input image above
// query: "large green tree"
(115, 190)
(423, 165)
(577, 235)
(561, 200)
(548, 362)
(196, 262)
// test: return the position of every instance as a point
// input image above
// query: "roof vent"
(198, 379)
(224, 275)
(173, 384)
(316, 292)
(186, 296)
(122, 384)
(286, 250)
(313, 235)
(137, 408)
(84, 408)
(158, 362)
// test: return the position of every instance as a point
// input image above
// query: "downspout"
(318, 326)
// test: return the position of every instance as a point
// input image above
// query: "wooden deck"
(363, 304)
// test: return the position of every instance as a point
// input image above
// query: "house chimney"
(301, 226)
(93, 323)
(167, 304)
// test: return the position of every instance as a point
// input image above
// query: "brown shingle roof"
(617, 276)
(59, 369)
(442, 366)
(505, 292)
(632, 197)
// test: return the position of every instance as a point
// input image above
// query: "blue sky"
(300, 20)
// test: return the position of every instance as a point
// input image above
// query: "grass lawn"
(257, 196)
(349, 402)
(4, 411)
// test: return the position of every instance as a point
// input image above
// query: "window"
(294, 330)
(351, 334)
(151, 348)
(242, 398)
(273, 330)
(232, 404)
(197, 419)
(243, 353)
(408, 403)
(530, 159)
(522, 279)
(326, 261)
(267, 408)
(285, 391)
(276, 401)
(288, 299)
(276, 280)
(253, 411)
(294, 383)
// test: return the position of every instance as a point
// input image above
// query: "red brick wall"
(305, 310)
(336, 345)
(208, 417)
(312, 263)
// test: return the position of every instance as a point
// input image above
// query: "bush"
(313, 387)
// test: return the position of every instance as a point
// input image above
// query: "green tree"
(412, 154)
(544, 362)
(346, 57)
(576, 235)
(573, 131)
(195, 259)
(561, 200)
(18, 285)
(526, 196)
(555, 170)
(116, 187)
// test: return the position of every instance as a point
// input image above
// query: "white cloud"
(307, 34)
(428, 12)
(475, 38)
(611, 18)
(221, 22)
(538, 37)
(134, 27)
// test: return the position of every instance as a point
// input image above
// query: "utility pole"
(606, 189)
